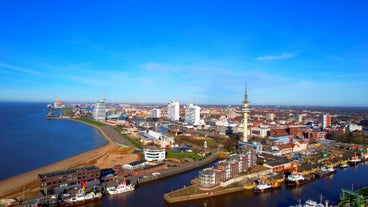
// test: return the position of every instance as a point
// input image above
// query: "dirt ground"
(106, 156)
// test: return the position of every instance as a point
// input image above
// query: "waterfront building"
(173, 111)
(227, 169)
(245, 110)
(280, 164)
(99, 111)
(135, 165)
(231, 168)
(66, 179)
(211, 177)
(156, 113)
(192, 114)
(154, 154)
(326, 121)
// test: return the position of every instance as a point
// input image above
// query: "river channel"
(327, 188)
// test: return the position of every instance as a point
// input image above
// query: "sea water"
(28, 141)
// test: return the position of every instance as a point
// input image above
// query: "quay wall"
(172, 198)
(246, 177)
(178, 170)
(175, 199)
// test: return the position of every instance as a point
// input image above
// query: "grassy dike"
(99, 125)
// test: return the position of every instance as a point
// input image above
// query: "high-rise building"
(192, 114)
(156, 113)
(326, 121)
(99, 112)
(173, 111)
(245, 110)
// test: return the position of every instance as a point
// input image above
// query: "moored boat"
(343, 165)
(295, 179)
(325, 171)
(121, 188)
(354, 160)
(80, 198)
(264, 186)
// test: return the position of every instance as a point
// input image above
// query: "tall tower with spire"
(245, 110)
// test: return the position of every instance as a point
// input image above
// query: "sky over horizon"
(287, 52)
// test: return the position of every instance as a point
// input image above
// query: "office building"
(99, 111)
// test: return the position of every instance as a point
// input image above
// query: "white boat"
(344, 165)
(263, 186)
(354, 160)
(295, 178)
(121, 188)
(310, 203)
(92, 196)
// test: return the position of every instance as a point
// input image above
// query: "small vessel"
(311, 203)
(325, 171)
(121, 188)
(343, 165)
(91, 196)
(264, 186)
(295, 179)
(354, 160)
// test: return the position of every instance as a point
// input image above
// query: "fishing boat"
(121, 188)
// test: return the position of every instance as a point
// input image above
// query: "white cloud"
(19, 69)
(283, 56)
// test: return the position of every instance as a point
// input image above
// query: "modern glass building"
(99, 112)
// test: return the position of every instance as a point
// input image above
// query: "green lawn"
(89, 121)
(127, 137)
(181, 155)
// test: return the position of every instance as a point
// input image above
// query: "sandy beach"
(106, 156)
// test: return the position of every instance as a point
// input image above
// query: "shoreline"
(105, 156)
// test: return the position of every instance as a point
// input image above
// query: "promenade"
(109, 132)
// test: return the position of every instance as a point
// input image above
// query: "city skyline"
(290, 53)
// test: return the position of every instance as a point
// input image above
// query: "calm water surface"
(329, 187)
(28, 142)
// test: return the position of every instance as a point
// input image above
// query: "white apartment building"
(192, 114)
(156, 113)
(99, 111)
(173, 111)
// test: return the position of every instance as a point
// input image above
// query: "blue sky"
(289, 52)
